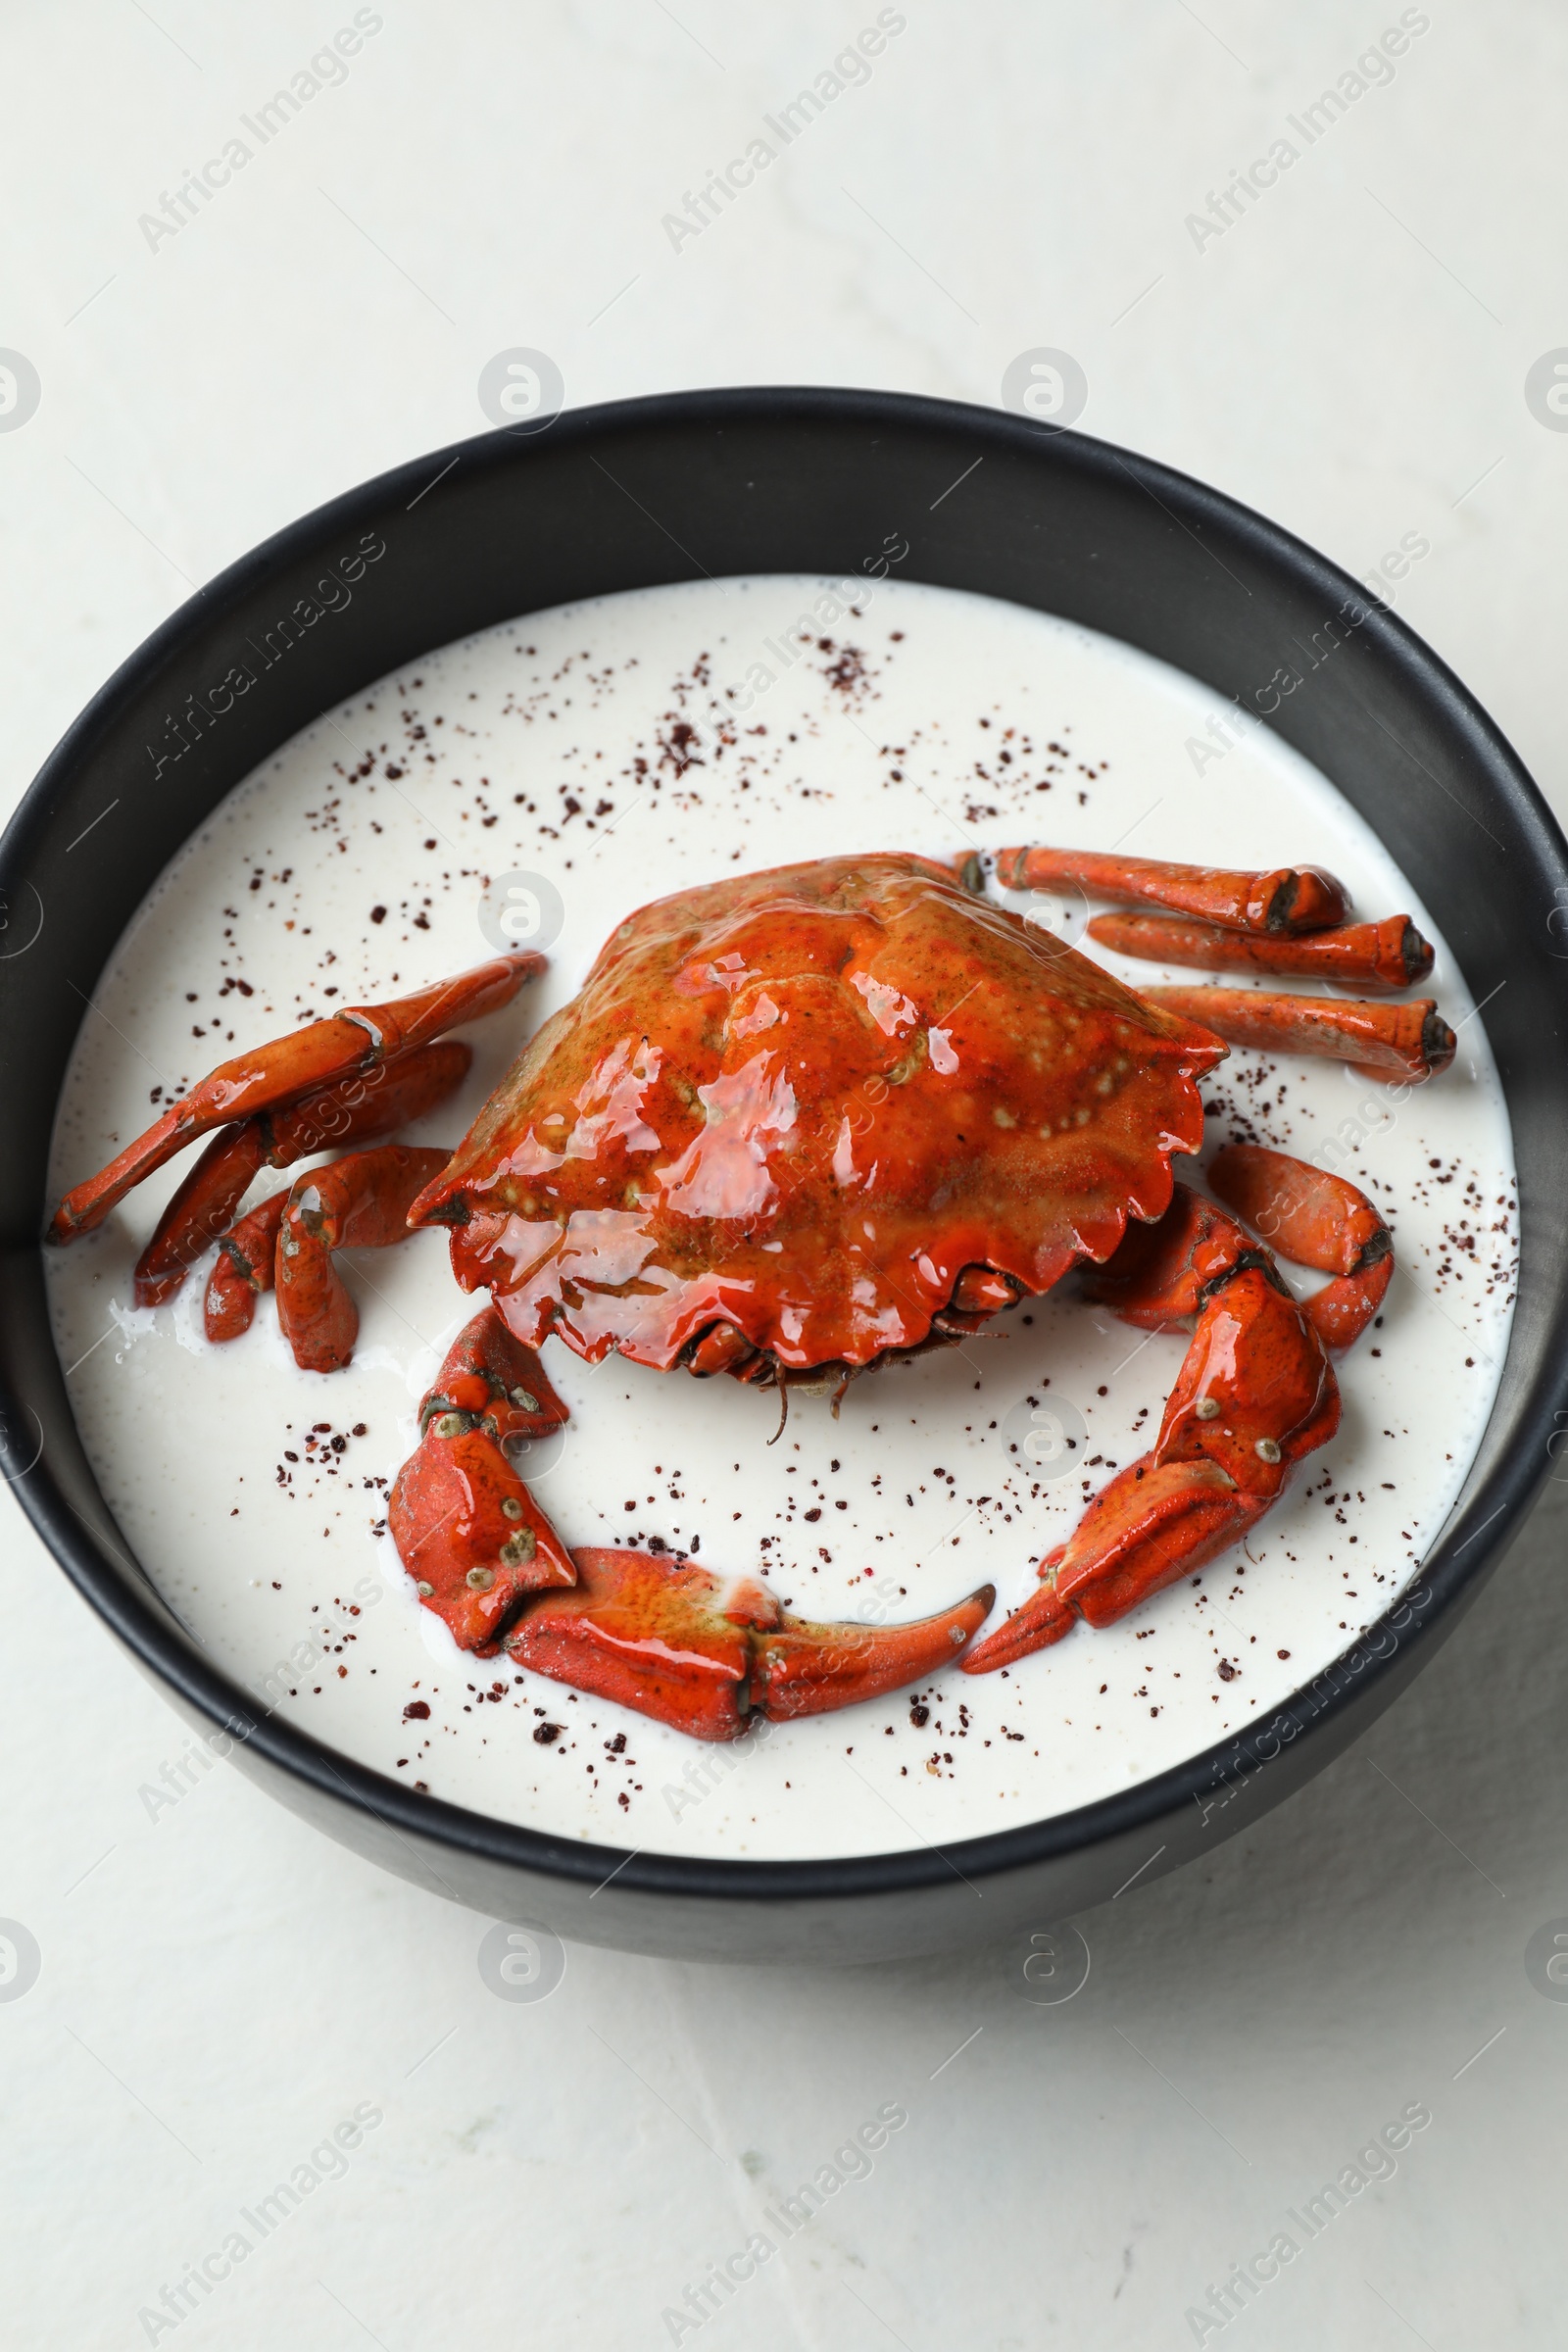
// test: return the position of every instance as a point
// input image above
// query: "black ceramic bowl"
(716, 483)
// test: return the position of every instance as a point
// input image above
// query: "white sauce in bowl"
(600, 747)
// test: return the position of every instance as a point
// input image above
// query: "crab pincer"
(701, 1652)
(1314, 1219)
(709, 1654)
(1254, 1395)
(270, 1076)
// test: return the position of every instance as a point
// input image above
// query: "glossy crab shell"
(802, 1103)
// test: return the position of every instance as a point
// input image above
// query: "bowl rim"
(1376, 1662)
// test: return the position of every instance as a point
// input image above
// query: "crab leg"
(244, 1269)
(697, 1650)
(1387, 1041)
(385, 1097)
(1289, 900)
(1389, 956)
(268, 1076)
(358, 1203)
(1314, 1219)
(200, 1210)
(1255, 1394)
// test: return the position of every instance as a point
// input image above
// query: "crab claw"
(811, 1669)
(465, 1526)
(1141, 1534)
(697, 1650)
(1153, 1525)
(706, 1653)
(1254, 1395)
(1318, 1220)
(1042, 1619)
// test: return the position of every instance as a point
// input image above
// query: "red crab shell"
(802, 1102)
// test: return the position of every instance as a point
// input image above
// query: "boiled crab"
(797, 1123)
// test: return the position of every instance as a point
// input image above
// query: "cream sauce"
(544, 779)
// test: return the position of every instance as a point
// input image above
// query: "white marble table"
(220, 1989)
